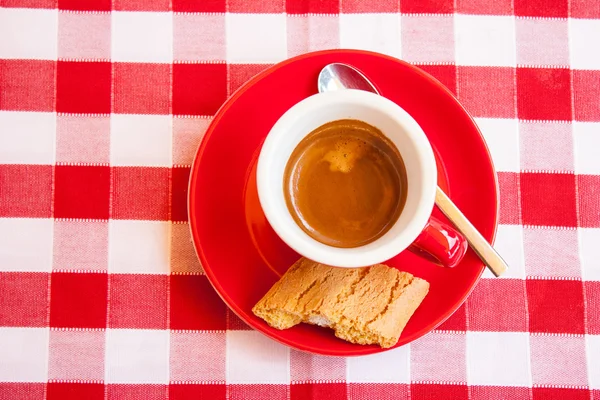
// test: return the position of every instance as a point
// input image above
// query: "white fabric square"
(542, 41)
(551, 253)
(392, 366)
(306, 367)
(76, 354)
(84, 35)
(142, 36)
(509, 244)
(28, 33)
(139, 246)
(255, 38)
(584, 46)
(439, 356)
(375, 32)
(24, 354)
(498, 359)
(140, 140)
(589, 239)
(199, 37)
(198, 356)
(137, 356)
(485, 40)
(183, 255)
(311, 33)
(502, 137)
(428, 38)
(27, 137)
(593, 356)
(558, 360)
(586, 137)
(254, 358)
(187, 135)
(546, 146)
(26, 244)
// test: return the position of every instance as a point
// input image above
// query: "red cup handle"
(441, 243)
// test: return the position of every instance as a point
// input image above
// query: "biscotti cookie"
(362, 305)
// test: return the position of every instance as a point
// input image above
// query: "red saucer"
(241, 254)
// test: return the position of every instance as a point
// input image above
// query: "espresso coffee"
(345, 184)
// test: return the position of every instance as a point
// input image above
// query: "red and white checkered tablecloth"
(102, 106)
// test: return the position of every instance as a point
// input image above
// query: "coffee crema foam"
(345, 184)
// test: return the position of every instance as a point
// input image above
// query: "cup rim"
(356, 256)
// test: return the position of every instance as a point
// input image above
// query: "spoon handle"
(478, 243)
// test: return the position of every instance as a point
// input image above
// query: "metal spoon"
(339, 76)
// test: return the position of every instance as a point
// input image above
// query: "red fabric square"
(588, 188)
(27, 85)
(81, 192)
(263, 6)
(179, 181)
(26, 191)
(78, 300)
(28, 4)
(585, 9)
(83, 87)
(552, 393)
(362, 6)
(487, 91)
(433, 391)
(318, 391)
(241, 73)
(498, 7)
(200, 392)
(141, 88)
(548, 199)
(138, 301)
(199, 89)
(142, 5)
(510, 208)
(195, 304)
(586, 94)
(427, 7)
(312, 6)
(379, 391)
(446, 74)
(207, 6)
(555, 306)
(544, 93)
(258, 392)
(592, 298)
(234, 323)
(456, 322)
(85, 5)
(24, 299)
(22, 391)
(542, 8)
(499, 393)
(498, 305)
(140, 193)
(136, 392)
(75, 391)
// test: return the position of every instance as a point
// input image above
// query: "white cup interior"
(375, 110)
